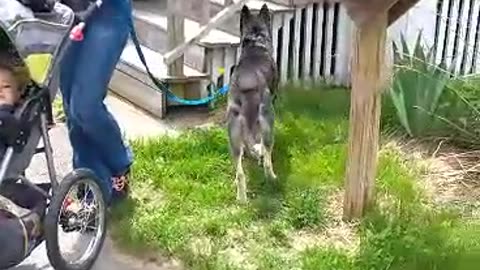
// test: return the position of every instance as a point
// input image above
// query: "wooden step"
(131, 81)
(151, 25)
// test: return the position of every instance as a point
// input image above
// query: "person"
(86, 70)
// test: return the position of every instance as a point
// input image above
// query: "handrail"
(226, 13)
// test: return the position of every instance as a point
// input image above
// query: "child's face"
(9, 93)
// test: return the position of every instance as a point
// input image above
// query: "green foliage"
(425, 100)
(306, 208)
(326, 259)
(417, 88)
(57, 108)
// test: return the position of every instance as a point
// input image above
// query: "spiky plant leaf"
(417, 87)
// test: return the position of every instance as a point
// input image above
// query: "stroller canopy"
(35, 39)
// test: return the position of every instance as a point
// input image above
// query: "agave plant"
(417, 86)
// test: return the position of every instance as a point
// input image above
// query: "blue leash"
(164, 87)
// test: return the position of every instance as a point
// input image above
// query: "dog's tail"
(250, 110)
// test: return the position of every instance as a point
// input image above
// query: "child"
(13, 79)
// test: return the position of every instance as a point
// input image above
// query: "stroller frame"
(36, 111)
(29, 125)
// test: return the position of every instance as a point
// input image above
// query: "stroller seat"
(22, 210)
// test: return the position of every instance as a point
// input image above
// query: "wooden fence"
(313, 42)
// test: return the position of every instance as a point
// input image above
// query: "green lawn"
(183, 202)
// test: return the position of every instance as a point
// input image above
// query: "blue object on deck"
(164, 87)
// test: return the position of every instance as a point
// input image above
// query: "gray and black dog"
(250, 115)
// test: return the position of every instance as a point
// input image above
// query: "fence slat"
(307, 45)
(461, 22)
(450, 34)
(276, 24)
(468, 44)
(476, 45)
(329, 42)
(344, 41)
(296, 44)
(285, 48)
(317, 53)
(442, 30)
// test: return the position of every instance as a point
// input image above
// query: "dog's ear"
(244, 17)
(265, 15)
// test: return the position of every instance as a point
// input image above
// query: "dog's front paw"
(242, 198)
(270, 174)
(258, 150)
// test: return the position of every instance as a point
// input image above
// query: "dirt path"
(135, 124)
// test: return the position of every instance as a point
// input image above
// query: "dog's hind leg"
(240, 178)
(267, 162)
(267, 122)
(237, 150)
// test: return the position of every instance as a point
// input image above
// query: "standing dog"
(250, 115)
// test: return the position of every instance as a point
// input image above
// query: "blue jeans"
(86, 70)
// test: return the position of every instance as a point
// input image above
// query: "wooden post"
(176, 34)
(367, 83)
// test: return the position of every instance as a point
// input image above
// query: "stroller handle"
(76, 34)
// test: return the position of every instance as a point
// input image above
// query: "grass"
(183, 202)
(57, 108)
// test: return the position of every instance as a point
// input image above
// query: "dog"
(250, 115)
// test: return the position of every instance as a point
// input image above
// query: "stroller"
(32, 213)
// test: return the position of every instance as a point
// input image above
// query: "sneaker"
(120, 187)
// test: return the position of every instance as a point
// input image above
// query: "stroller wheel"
(75, 224)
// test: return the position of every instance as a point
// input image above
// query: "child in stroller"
(12, 83)
(30, 50)
(15, 198)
